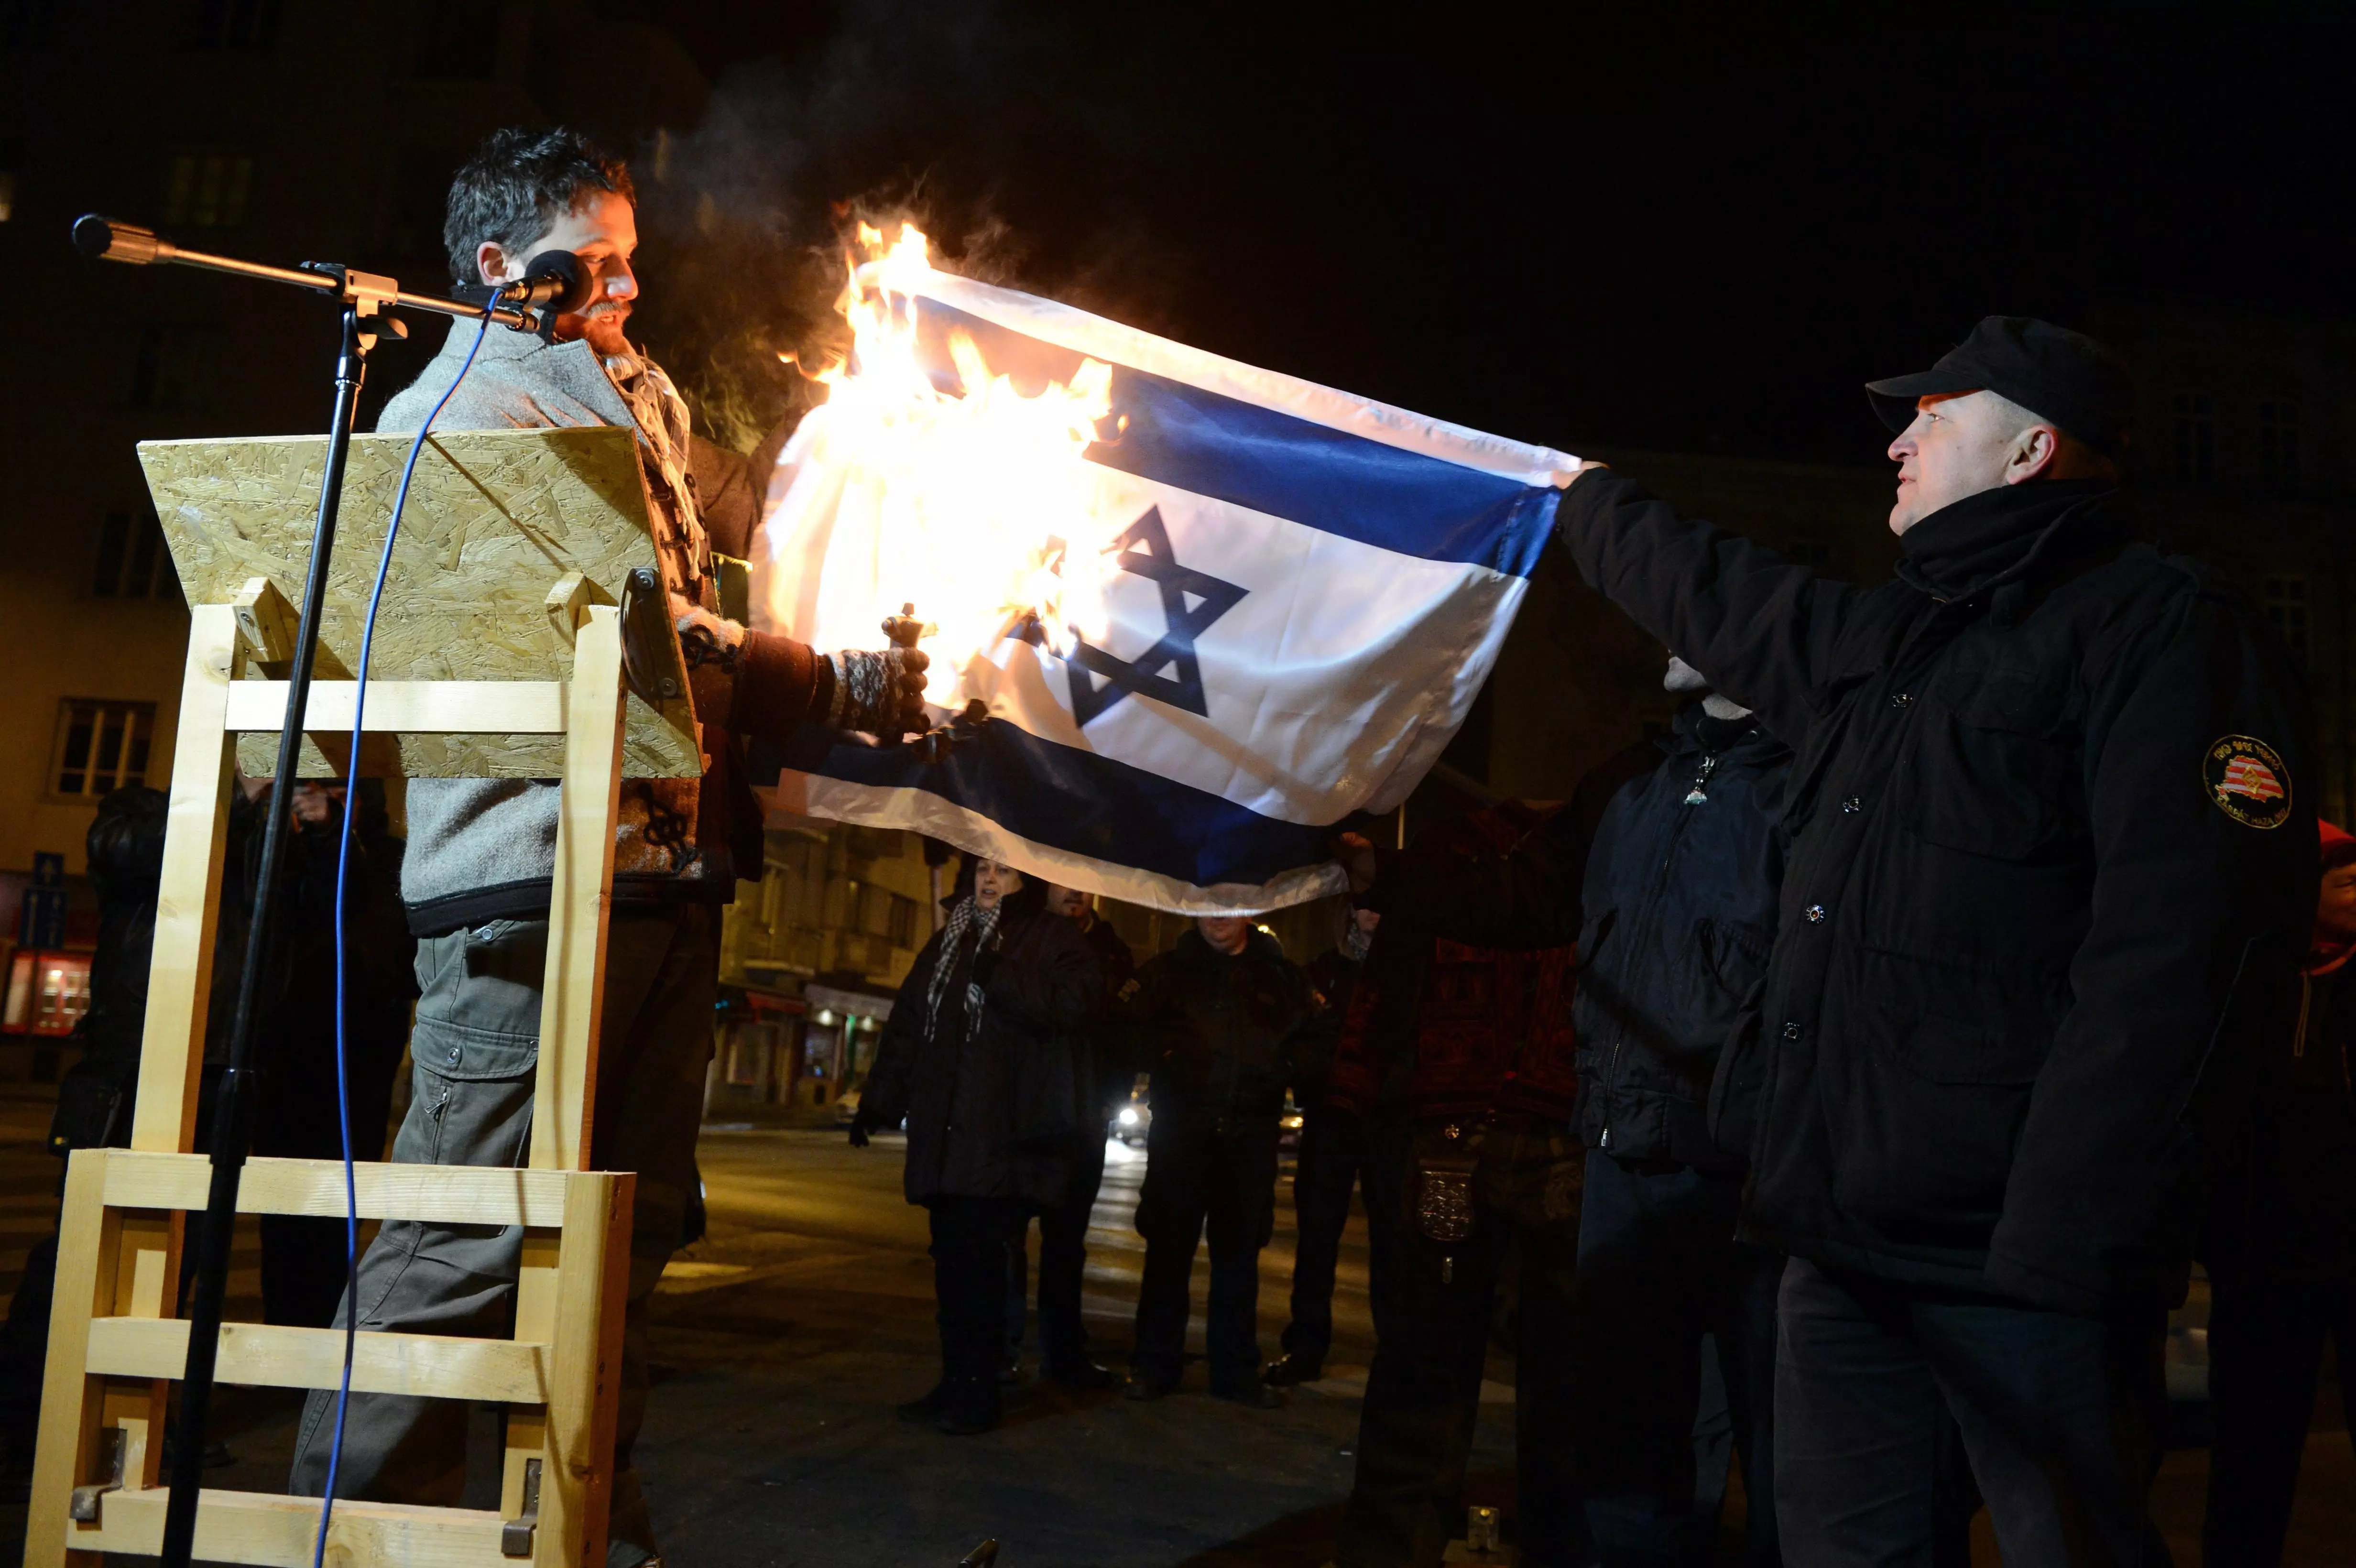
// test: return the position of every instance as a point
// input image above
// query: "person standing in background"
(2281, 1246)
(1064, 1229)
(1481, 1035)
(1328, 1163)
(977, 1057)
(1214, 1019)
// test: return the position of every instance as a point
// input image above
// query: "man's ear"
(2033, 452)
(491, 263)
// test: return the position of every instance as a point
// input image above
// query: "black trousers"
(970, 1237)
(1063, 1261)
(1423, 1394)
(1658, 1269)
(1326, 1169)
(1202, 1179)
(2266, 1350)
(2062, 1417)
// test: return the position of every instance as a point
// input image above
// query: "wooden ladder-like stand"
(513, 554)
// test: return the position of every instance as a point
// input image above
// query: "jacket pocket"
(1936, 1089)
(1986, 769)
(1736, 957)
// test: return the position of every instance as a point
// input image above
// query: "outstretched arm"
(1762, 630)
(757, 683)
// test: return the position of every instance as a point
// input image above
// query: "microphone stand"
(365, 297)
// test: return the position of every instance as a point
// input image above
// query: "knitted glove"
(879, 692)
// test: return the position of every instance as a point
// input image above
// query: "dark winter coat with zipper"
(2052, 870)
(1216, 1032)
(1679, 913)
(992, 1112)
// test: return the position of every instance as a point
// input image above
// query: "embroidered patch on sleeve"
(2247, 780)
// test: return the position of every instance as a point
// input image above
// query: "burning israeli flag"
(1211, 610)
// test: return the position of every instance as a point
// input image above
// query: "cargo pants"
(476, 1047)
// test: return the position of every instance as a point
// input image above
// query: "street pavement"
(784, 1339)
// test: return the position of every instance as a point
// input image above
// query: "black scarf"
(1961, 549)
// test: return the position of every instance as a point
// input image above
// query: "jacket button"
(1900, 700)
(1814, 913)
(1853, 805)
(453, 1053)
(1791, 1031)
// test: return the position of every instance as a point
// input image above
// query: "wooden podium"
(497, 654)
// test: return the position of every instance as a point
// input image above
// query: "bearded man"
(481, 851)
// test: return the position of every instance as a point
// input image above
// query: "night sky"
(1688, 227)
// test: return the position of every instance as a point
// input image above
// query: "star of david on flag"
(1305, 592)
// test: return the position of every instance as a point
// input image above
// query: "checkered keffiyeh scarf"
(968, 919)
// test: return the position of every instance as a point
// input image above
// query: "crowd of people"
(1840, 1089)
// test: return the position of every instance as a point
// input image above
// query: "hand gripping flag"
(1307, 591)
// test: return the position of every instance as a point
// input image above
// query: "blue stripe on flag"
(1289, 467)
(1068, 799)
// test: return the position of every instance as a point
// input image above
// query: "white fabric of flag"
(1310, 590)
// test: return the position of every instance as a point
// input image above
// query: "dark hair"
(518, 184)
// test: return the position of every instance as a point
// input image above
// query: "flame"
(982, 495)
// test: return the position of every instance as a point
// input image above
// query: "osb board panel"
(494, 518)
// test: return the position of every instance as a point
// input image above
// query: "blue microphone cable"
(343, 868)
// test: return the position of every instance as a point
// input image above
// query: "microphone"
(97, 237)
(553, 281)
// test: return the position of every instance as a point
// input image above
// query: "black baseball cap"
(2053, 372)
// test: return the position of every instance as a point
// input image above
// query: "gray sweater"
(482, 849)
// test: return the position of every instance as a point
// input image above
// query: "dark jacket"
(1217, 1032)
(1678, 911)
(2052, 870)
(992, 1114)
(124, 847)
(1106, 1060)
(2285, 1210)
(1471, 978)
(1333, 979)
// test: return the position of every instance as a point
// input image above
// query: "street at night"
(784, 1339)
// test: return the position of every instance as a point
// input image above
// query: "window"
(2196, 438)
(2285, 606)
(132, 560)
(236, 24)
(2278, 448)
(1813, 554)
(174, 371)
(48, 993)
(101, 746)
(206, 190)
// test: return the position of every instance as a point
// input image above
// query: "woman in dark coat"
(979, 1055)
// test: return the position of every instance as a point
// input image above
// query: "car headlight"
(1128, 1118)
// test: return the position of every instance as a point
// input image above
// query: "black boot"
(927, 1409)
(1082, 1373)
(1290, 1369)
(1250, 1393)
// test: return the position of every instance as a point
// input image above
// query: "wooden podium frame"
(511, 561)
